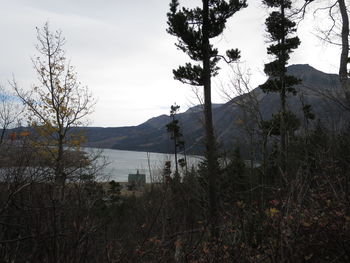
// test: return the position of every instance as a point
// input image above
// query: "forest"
(281, 196)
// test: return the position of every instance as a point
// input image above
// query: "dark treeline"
(288, 203)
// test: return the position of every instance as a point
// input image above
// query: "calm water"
(122, 163)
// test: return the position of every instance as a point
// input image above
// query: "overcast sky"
(122, 52)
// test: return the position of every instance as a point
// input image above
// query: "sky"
(121, 51)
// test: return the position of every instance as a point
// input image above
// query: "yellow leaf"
(308, 257)
(274, 211)
(306, 224)
(240, 204)
(239, 121)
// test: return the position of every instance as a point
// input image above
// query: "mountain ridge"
(152, 136)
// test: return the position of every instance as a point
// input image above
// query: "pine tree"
(194, 28)
(175, 134)
(280, 29)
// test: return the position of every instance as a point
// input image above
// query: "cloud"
(121, 51)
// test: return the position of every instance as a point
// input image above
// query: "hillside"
(152, 136)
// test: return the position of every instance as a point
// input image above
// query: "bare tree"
(10, 111)
(57, 103)
(241, 94)
(336, 32)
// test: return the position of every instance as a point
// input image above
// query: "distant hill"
(152, 136)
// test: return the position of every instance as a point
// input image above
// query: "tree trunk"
(179, 253)
(209, 130)
(343, 71)
(283, 107)
(59, 173)
(175, 152)
(2, 135)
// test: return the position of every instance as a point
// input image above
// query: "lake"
(122, 163)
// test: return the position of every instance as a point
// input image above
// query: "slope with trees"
(303, 217)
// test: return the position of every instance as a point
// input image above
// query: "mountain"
(152, 136)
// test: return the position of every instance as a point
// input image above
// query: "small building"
(137, 179)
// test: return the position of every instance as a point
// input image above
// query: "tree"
(344, 57)
(194, 28)
(280, 29)
(337, 10)
(57, 103)
(114, 191)
(10, 110)
(174, 129)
